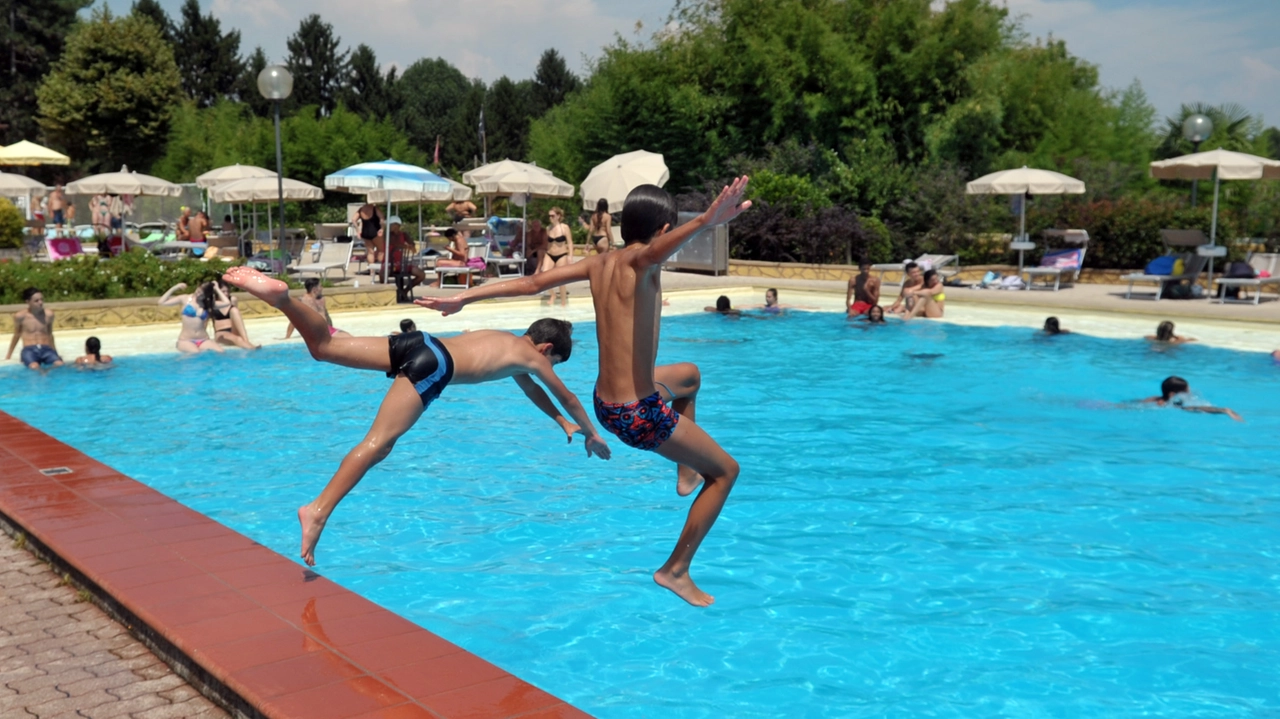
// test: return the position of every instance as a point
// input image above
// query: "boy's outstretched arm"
(594, 443)
(1216, 410)
(531, 285)
(727, 205)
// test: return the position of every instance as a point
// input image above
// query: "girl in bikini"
(195, 316)
(559, 248)
(599, 227)
(228, 325)
(931, 299)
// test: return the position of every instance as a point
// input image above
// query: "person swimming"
(1165, 334)
(723, 307)
(1053, 327)
(1175, 392)
(93, 357)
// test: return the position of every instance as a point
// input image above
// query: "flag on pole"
(436, 160)
(482, 125)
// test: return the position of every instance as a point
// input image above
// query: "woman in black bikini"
(372, 234)
(559, 248)
(599, 227)
(228, 326)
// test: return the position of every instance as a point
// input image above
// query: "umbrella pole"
(1022, 228)
(1213, 227)
(386, 236)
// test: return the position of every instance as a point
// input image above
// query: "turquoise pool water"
(968, 534)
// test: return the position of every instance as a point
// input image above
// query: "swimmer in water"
(422, 366)
(1173, 393)
(93, 357)
(1165, 335)
(1053, 327)
(722, 307)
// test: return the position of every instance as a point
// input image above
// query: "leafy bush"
(11, 225)
(88, 277)
(1125, 233)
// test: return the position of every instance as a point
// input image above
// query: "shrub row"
(88, 277)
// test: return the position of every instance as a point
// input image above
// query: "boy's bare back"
(628, 291)
(486, 355)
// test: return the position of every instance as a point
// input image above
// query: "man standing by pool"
(58, 206)
(34, 326)
(863, 292)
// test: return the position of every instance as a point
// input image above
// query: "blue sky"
(1181, 50)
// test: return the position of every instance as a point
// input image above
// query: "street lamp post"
(276, 84)
(1196, 129)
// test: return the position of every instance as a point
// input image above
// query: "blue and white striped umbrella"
(386, 175)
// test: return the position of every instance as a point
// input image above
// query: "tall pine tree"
(552, 82)
(367, 91)
(247, 87)
(319, 70)
(151, 9)
(508, 112)
(33, 32)
(208, 61)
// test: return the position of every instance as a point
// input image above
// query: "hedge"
(87, 277)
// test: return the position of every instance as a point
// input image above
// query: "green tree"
(552, 82)
(109, 97)
(367, 92)
(1233, 129)
(435, 101)
(11, 225)
(209, 61)
(508, 108)
(33, 37)
(153, 10)
(247, 87)
(319, 70)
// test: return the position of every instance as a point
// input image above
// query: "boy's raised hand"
(729, 204)
(446, 305)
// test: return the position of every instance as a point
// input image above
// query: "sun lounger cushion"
(1062, 259)
(1161, 266)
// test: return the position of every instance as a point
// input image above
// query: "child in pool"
(626, 289)
(93, 357)
(1164, 334)
(1173, 391)
(422, 366)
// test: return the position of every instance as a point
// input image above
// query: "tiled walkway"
(61, 656)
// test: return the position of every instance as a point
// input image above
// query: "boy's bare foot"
(312, 525)
(684, 587)
(687, 480)
(271, 291)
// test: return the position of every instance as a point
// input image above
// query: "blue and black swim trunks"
(424, 361)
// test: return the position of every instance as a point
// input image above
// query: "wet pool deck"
(263, 636)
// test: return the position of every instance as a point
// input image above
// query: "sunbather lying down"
(422, 366)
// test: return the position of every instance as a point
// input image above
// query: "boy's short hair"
(646, 210)
(722, 304)
(909, 266)
(310, 283)
(28, 293)
(1171, 386)
(774, 290)
(558, 332)
(408, 326)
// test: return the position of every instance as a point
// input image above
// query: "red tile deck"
(284, 640)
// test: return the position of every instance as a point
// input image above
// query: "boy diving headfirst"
(422, 367)
(632, 395)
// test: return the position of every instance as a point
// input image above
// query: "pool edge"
(255, 632)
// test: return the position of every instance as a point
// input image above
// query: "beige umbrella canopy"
(264, 189)
(456, 192)
(1025, 181)
(29, 153)
(12, 185)
(616, 177)
(231, 173)
(534, 182)
(123, 182)
(502, 167)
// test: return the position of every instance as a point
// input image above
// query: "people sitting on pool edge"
(911, 278)
(93, 357)
(422, 366)
(863, 292)
(196, 308)
(314, 299)
(34, 326)
(1175, 390)
(1164, 333)
(723, 307)
(930, 299)
(1053, 327)
(228, 324)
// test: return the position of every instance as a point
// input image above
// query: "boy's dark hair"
(408, 326)
(722, 304)
(909, 266)
(28, 293)
(1052, 327)
(647, 209)
(1164, 333)
(1171, 386)
(864, 261)
(558, 332)
(774, 290)
(310, 283)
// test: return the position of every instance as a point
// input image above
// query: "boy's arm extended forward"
(571, 404)
(524, 286)
(728, 205)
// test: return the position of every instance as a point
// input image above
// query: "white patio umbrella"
(256, 190)
(501, 167)
(231, 173)
(29, 153)
(616, 177)
(1025, 181)
(123, 182)
(12, 185)
(457, 193)
(1220, 165)
(523, 184)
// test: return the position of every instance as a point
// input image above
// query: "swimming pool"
(931, 519)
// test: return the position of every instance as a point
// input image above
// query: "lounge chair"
(464, 276)
(504, 267)
(329, 256)
(937, 262)
(1057, 264)
(1175, 241)
(1268, 262)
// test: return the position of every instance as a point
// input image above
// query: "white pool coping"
(515, 315)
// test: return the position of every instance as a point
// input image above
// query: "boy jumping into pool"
(422, 366)
(626, 290)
